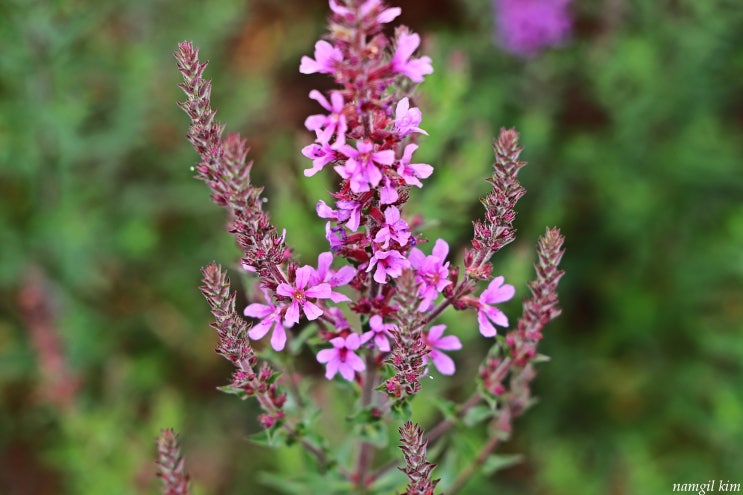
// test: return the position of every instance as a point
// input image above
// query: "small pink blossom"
(321, 154)
(270, 316)
(388, 192)
(496, 293)
(411, 172)
(436, 343)
(380, 332)
(348, 211)
(334, 278)
(390, 263)
(525, 27)
(299, 294)
(342, 358)
(335, 123)
(401, 63)
(394, 228)
(327, 57)
(431, 273)
(407, 119)
(361, 166)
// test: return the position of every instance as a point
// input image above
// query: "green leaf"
(496, 462)
(477, 414)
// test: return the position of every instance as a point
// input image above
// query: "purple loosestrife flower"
(394, 229)
(327, 57)
(496, 293)
(411, 172)
(436, 343)
(432, 274)
(342, 358)
(299, 294)
(525, 27)
(380, 332)
(335, 123)
(334, 278)
(401, 62)
(348, 211)
(390, 263)
(270, 316)
(407, 119)
(321, 153)
(361, 166)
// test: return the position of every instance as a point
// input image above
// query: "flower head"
(361, 166)
(335, 123)
(390, 263)
(431, 273)
(436, 343)
(496, 293)
(342, 358)
(401, 62)
(334, 278)
(407, 119)
(394, 229)
(270, 316)
(380, 332)
(299, 294)
(326, 59)
(412, 172)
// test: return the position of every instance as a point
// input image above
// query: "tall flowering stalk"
(373, 316)
(170, 464)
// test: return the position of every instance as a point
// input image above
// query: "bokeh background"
(633, 130)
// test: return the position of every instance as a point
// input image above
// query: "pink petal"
(320, 291)
(388, 15)
(337, 297)
(486, 328)
(278, 338)
(292, 314)
(332, 368)
(443, 363)
(312, 311)
(303, 276)
(257, 310)
(326, 355)
(382, 343)
(260, 330)
(441, 249)
(346, 371)
(355, 362)
(386, 157)
(353, 341)
(496, 316)
(324, 211)
(343, 276)
(435, 333)
(285, 290)
(320, 98)
(449, 343)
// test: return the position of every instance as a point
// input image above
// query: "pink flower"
(270, 316)
(335, 123)
(494, 294)
(407, 119)
(388, 193)
(436, 343)
(361, 166)
(348, 211)
(320, 154)
(336, 236)
(380, 332)
(299, 294)
(325, 61)
(401, 63)
(334, 278)
(342, 358)
(432, 274)
(411, 172)
(524, 27)
(394, 228)
(390, 263)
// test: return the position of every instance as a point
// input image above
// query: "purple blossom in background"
(525, 27)
(342, 358)
(496, 293)
(436, 343)
(334, 278)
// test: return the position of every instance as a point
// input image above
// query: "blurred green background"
(634, 135)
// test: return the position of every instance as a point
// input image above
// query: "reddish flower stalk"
(224, 168)
(417, 468)
(170, 464)
(497, 229)
(234, 345)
